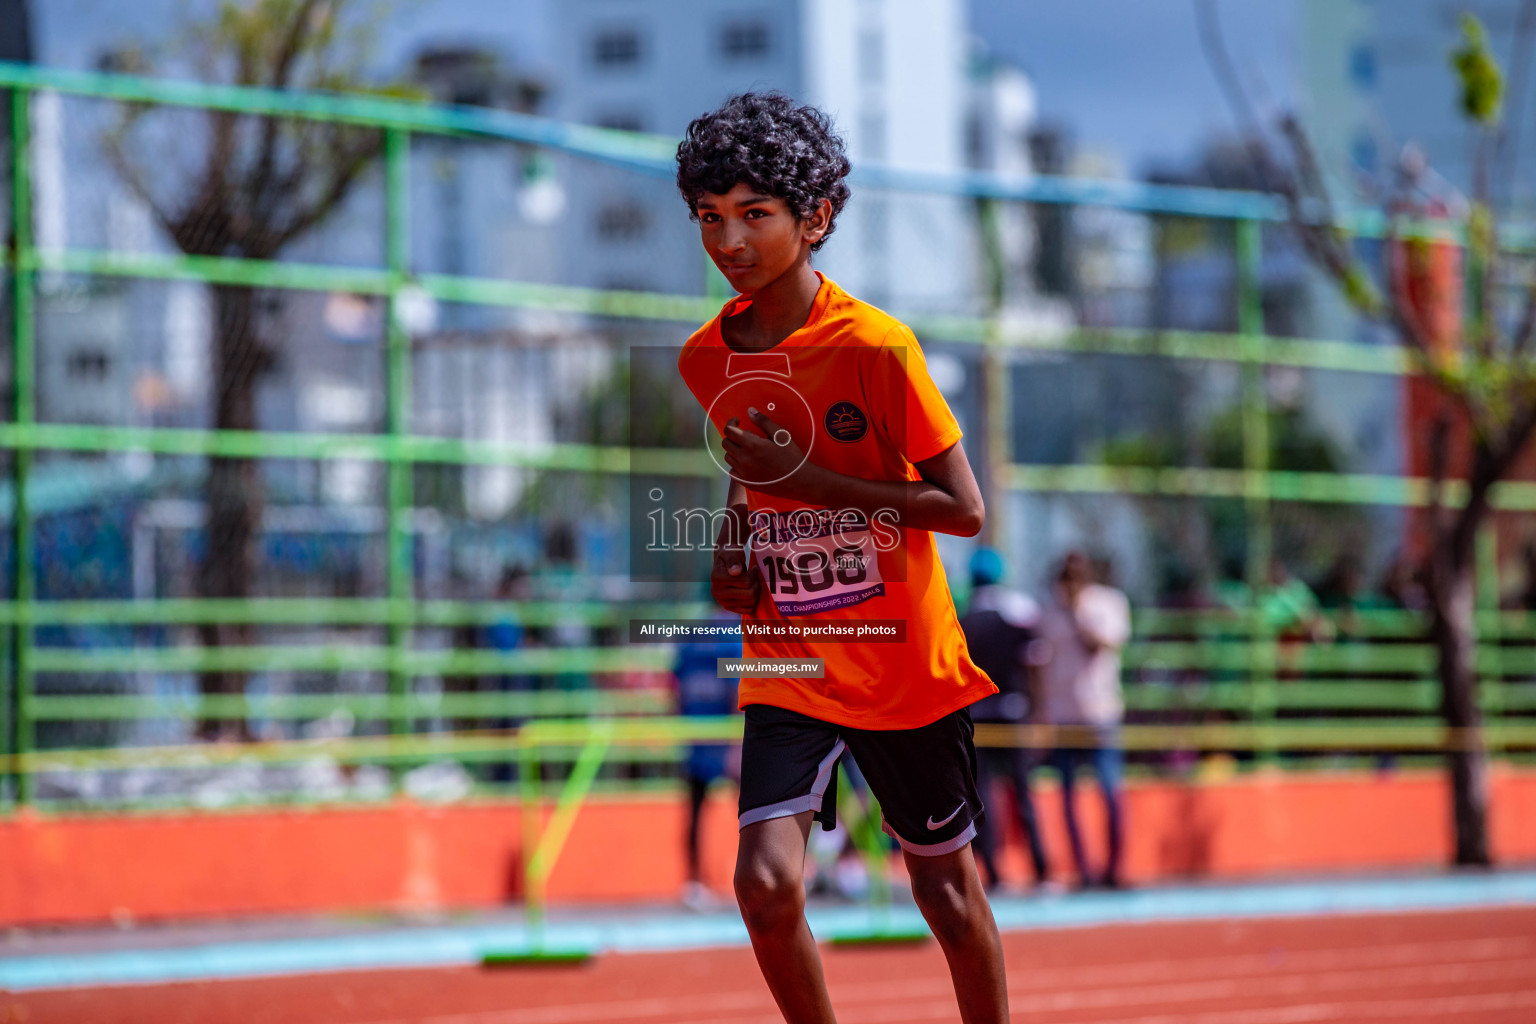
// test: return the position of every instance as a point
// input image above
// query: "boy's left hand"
(770, 456)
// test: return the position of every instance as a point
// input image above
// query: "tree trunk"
(1454, 632)
(233, 493)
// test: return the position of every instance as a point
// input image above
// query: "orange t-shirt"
(853, 390)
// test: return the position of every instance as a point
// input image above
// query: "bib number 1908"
(819, 573)
(814, 571)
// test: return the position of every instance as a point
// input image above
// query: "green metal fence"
(1245, 676)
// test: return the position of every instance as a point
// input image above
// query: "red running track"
(1463, 967)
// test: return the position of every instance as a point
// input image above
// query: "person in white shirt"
(1082, 631)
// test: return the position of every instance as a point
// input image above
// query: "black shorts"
(925, 778)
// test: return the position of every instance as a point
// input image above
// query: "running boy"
(844, 459)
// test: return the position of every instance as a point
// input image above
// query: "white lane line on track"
(618, 1009)
(1303, 1013)
(932, 999)
(1306, 1013)
(1306, 987)
(1280, 962)
(1281, 959)
(1400, 1009)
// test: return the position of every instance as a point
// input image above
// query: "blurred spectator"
(504, 635)
(1524, 599)
(1344, 593)
(836, 866)
(1290, 609)
(1287, 606)
(562, 583)
(999, 629)
(701, 692)
(1082, 632)
(1183, 589)
(1403, 587)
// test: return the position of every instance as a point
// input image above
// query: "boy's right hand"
(735, 585)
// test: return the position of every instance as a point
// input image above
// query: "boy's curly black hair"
(765, 140)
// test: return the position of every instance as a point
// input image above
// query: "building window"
(744, 40)
(871, 56)
(620, 121)
(616, 48)
(1362, 67)
(88, 365)
(1364, 153)
(621, 221)
(872, 142)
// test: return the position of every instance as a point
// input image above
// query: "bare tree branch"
(1310, 212)
(1522, 426)
(1248, 125)
(292, 44)
(288, 50)
(1482, 250)
(1439, 433)
(211, 201)
(1486, 329)
(1309, 174)
(1312, 215)
(350, 162)
(1403, 315)
(133, 178)
(1520, 342)
(1483, 392)
(254, 187)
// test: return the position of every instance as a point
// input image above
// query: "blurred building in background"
(1374, 77)
(525, 233)
(900, 79)
(1377, 79)
(1377, 76)
(893, 76)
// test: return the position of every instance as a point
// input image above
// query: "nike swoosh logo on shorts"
(934, 825)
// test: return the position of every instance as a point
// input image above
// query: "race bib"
(815, 560)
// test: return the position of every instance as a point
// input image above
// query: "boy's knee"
(768, 894)
(953, 909)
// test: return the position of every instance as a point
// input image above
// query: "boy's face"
(754, 238)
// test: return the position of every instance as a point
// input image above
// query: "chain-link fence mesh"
(335, 425)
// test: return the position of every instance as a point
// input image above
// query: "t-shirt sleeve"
(911, 411)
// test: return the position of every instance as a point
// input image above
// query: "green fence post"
(542, 844)
(24, 410)
(399, 123)
(1263, 654)
(995, 383)
(397, 172)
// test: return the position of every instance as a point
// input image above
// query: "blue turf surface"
(667, 929)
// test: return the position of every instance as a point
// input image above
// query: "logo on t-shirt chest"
(845, 422)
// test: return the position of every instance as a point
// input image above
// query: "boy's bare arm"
(736, 506)
(735, 585)
(946, 500)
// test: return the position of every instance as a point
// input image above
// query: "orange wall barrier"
(405, 856)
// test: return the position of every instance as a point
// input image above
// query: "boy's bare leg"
(949, 893)
(770, 870)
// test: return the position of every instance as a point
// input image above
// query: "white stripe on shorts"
(934, 849)
(794, 805)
